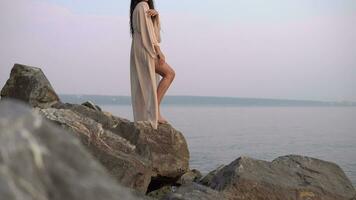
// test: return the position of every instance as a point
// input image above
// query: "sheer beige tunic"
(143, 58)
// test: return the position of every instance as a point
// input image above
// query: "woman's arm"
(154, 13)
(146, 29)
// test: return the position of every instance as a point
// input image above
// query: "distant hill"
(201, 100)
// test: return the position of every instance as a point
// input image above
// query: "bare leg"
(168, 74)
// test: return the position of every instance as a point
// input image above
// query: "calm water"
(220, 134)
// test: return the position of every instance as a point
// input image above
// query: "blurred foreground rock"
(39, 161)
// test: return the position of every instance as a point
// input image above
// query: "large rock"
(30, 85)
(39, 161)
(289, 177)
(166, 147)
(134, 153)
(113, 151)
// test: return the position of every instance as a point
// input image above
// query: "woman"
(147, 63)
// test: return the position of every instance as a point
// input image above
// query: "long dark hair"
(132, 8)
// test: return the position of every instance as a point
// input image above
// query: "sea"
(218, 135)
(218, 131)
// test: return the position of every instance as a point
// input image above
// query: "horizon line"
(231, 97)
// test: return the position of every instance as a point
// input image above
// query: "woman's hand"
(161, 57)
(152, 12)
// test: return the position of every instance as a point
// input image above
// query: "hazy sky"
(294, 49)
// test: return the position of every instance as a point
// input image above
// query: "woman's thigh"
(163, 69)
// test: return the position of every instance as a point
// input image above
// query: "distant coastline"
(205, 100)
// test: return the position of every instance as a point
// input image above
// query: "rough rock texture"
(113, 151)
(166, 147)
(30, 85)
(39, 161)
(289, 177)
(135, 154)
(194, 191)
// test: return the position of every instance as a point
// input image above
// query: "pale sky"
(292, 49)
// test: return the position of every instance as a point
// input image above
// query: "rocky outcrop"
(114, 152)
(164, 150)
(39, 161)
(288, 177)
(30, 85)
(138, 156)
(165, 147)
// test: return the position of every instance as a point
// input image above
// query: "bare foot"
(162, 120)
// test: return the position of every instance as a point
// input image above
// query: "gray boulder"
(289, 177)
(30, 85)
(39, 161)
